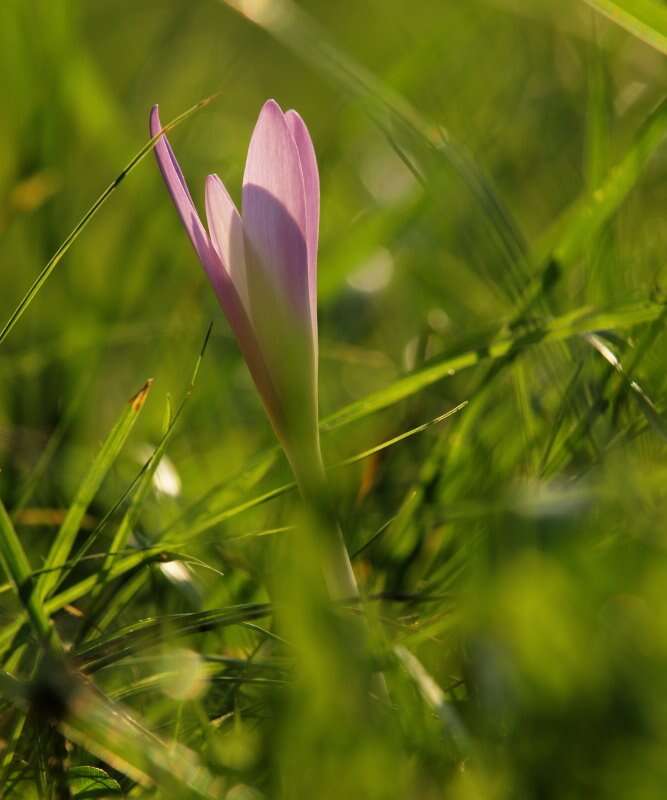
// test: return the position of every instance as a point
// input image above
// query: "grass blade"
(15, 562)
(57, 257)
(645, 19)
(586, 217)
(64, 540)
(108, 649)
(581, 321)
(297, 31)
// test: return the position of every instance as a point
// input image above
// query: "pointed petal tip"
(214, 183)
(270, 108)
(154, 118)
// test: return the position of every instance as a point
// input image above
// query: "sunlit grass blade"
(645, 19)
(435, 697)
(64, 541)
(581, 321)
(378, 448)
(57, 257)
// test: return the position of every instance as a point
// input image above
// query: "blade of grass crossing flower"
(57, 257)
(67, 533)
(645, 19)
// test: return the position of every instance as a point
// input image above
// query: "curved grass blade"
(297, 31)
(57, 257)
(378, 448)
(109, 649)
(645, 19)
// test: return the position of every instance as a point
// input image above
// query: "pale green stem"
(335, 561)
(314, 488)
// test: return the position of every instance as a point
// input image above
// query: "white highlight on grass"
(434, 697)
(176, 571)
(166, 479)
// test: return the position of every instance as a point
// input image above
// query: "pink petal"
(274, 215)
(180, 194)
(226, 230)
(311, 182)
(223, 285)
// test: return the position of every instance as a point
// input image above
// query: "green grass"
(492, 387)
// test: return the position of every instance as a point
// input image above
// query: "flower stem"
(314, 488)
(335, 561)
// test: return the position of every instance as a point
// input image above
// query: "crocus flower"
(262, 264)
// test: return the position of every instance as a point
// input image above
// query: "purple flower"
(262, 265)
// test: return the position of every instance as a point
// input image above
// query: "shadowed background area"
(493, 181)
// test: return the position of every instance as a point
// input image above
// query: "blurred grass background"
(519, 560)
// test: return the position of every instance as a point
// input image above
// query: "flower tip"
(271, 106)
(155, 124)
(212, 184)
